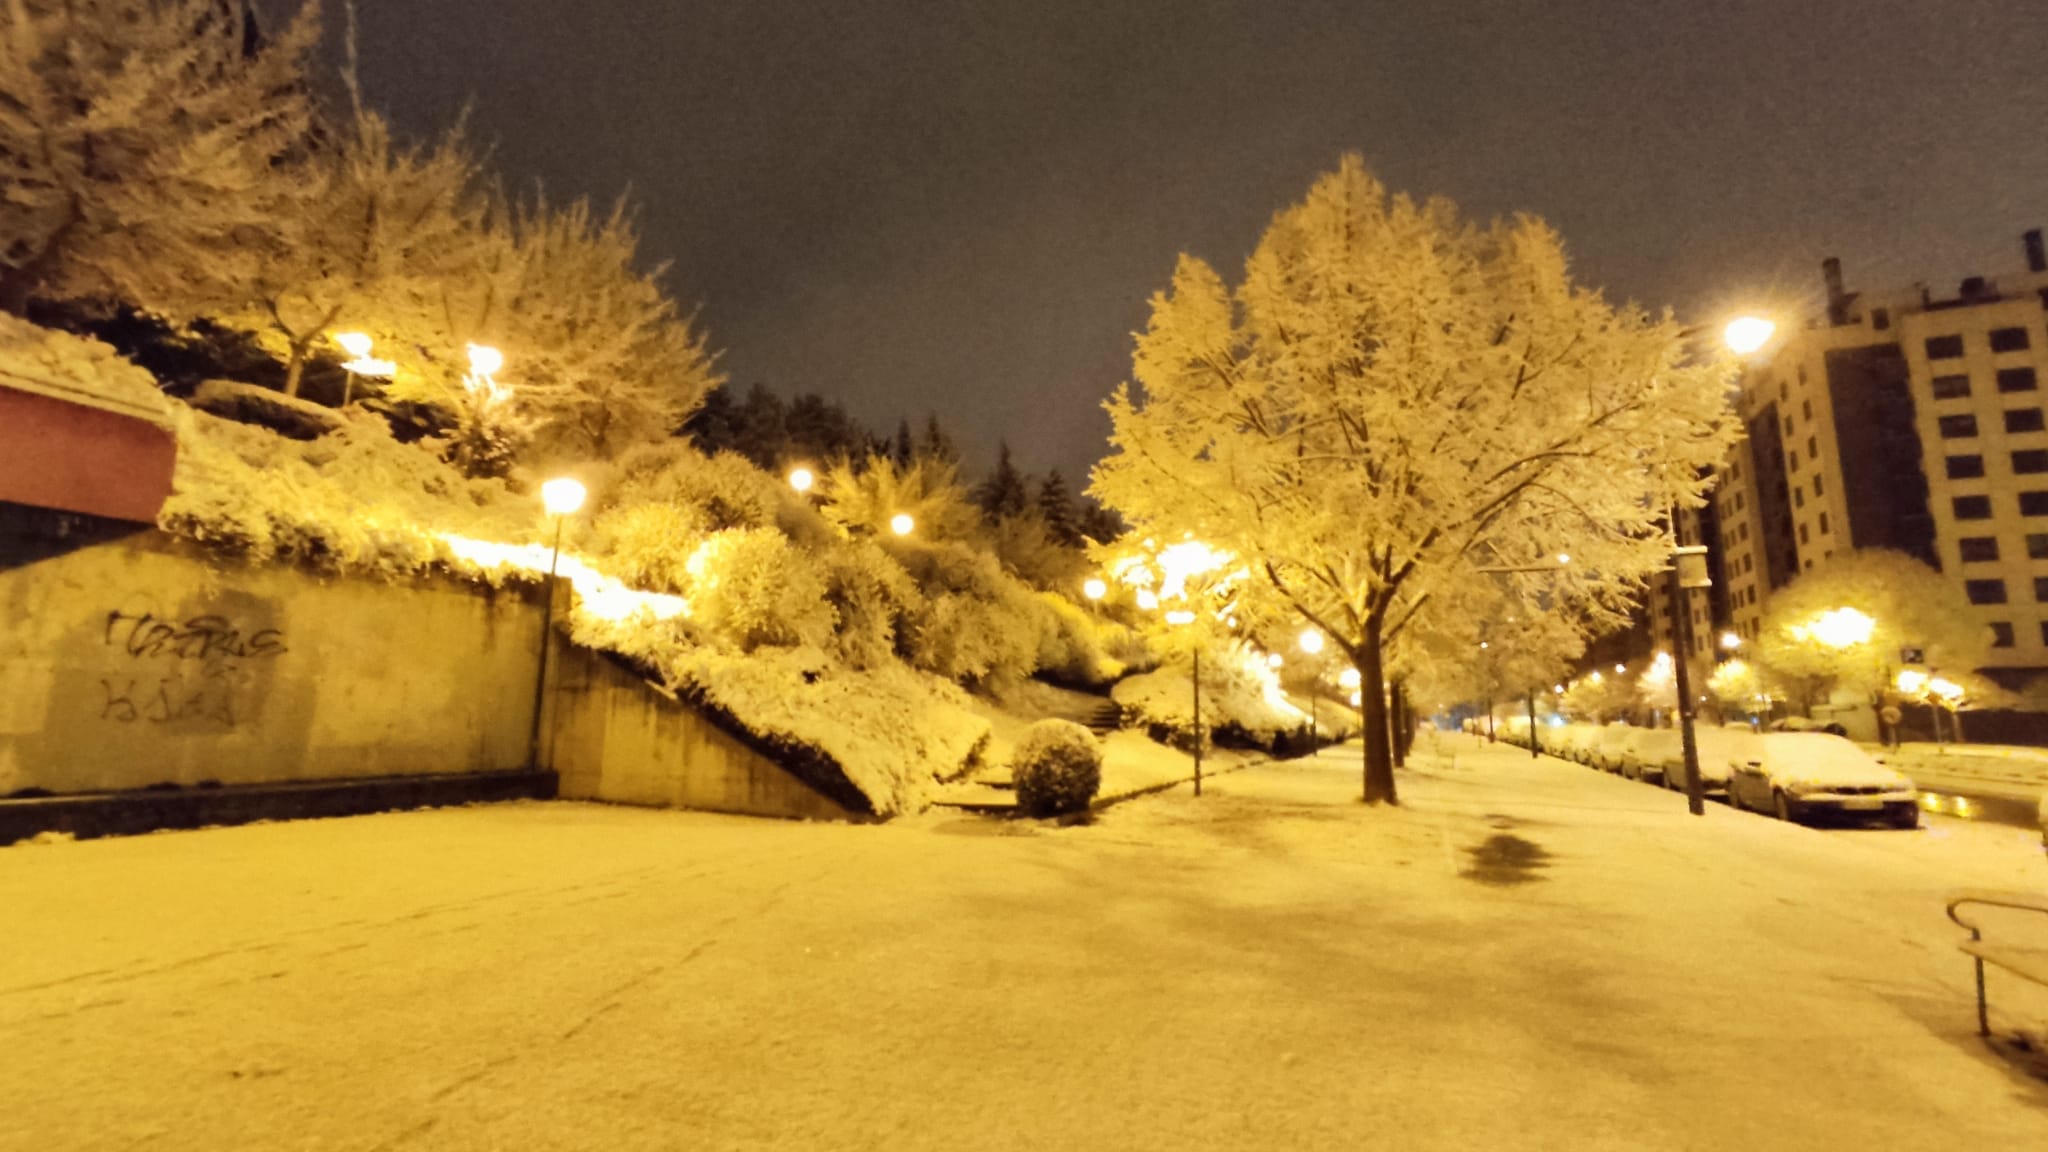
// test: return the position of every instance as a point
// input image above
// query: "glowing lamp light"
(1180, 616)
(1348, 678)
(1747, 334)
(1948, 690)
(1483, 645)
(1837, 628)
(561, 496)
(1274, 660)
(801, 479)
(1564, 557)
(1730, 641)
(485, 360)
(1557, 689)
(1621, 669)
(1095, 589)
(901, 524)
(1311, 641)
(1357, 698)
(1912, 680)
(356, 344)
(1146, 600)
(1595, 677)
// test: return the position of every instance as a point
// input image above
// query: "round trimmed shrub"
(1057, 767)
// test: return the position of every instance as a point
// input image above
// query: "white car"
(1719, 749)
(1655, 755)
(1611, 745)
(1800, 774)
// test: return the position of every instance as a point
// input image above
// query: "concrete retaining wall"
(613, 736)
(128, 660)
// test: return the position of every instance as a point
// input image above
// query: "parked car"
(1799, 774)
(1655, 755)
(1610, 747)
(1719, 749)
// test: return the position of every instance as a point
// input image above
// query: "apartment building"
(1913, 422)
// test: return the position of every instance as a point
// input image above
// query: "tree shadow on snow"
(1504, 860)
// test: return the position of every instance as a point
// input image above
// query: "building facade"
(1912, 422)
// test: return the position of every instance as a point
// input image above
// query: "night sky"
(963, 206)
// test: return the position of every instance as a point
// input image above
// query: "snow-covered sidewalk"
(1525, 955)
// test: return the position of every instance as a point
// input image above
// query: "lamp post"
(1181, 618)
(561, 497)
(1312, 645)
(360, 363)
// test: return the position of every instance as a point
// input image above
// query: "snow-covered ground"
(1525, 955)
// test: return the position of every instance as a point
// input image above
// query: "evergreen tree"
(1004, 495)
(1099, 523)
(763, 430)
(936, 446)
(1056, 509)
(904, 449)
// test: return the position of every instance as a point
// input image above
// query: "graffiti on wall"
(197, 670)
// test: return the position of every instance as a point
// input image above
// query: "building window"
(1985, 591)
(1788, 425)
(1975, 507)
(2023, 420)
(1823, 523)
(2030, 460)
(2037, 545)
(1792, 462)
(2001, 634)
(1951, 387)
(1812, 448)
(1817, 489)
(1958, 427)
(1965, 467)
(2008, 339)
(1944, 347)
(1799, 497)
(2034, 503)
(1979, 549)
(2017, 380)
(2044, 631)
(1806, 410)
(2041, 588)
(1802, 533)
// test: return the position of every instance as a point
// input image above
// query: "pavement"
(1524, 955)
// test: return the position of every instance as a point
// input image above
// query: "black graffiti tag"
(199, 638)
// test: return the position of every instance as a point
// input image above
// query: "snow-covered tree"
(1842, 625)
(1394, 399)
(1005, 493)
(146, 146)
(865, 500)
(1056, 508)
(384, 238)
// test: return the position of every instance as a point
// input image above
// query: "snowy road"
(1526, 955)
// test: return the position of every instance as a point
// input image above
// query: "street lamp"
(1312, 643)
(360, 363)
(802, 479)
(561, 497)
(1095, 589)
(1746, 335)
(902, 524)
(1730, 641)
(1148, 600)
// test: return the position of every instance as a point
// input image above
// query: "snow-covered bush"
(1241, 700)
(1073, 644)
(751, 587)
(1057, 767)
(356, 499)
(722, 491)
(79, 365)
(877, 602)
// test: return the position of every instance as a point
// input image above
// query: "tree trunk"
(295, 368)
(1372, 674)
(1397, 716)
